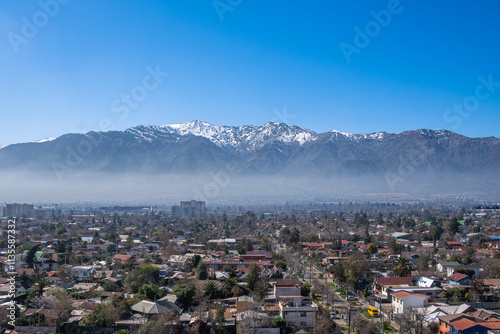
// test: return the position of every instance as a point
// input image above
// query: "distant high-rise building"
(189, 209)
(46, 213)
(18, 210)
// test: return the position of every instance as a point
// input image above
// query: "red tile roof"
(457, 277)
(463, 324)
(404, 294)
(491, 324)
(457, 243)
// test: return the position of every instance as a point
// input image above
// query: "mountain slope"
(416, 159)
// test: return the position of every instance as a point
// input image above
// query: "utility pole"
(349, 319)
(381, 315)
(310, 270)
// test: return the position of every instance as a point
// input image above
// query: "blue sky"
(263, 61)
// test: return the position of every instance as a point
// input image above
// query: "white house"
(444, 266)
(428, 282)
(82, 273)
(46, 264)
(403, 301)
(17, 265)
(298, 312)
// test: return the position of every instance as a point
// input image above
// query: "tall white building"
(189, 209)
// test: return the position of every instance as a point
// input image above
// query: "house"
(84, 287)
(244, 303)
(411, 256)
(379, 282)
(82, 273)
(256, 256)
(432, 292)
(97, 247)
(46, 264)
(88, 240)
(55, 279)
(428, 282)
(442, 267)
(459, 279)
(284, 287)
(25, 271)
(180, 262)
(452, 244)
(493, 283)
(403, 301)
(18, 265)
(22, 287)
(466, 324)
(401, 235)
(298, 312)
(124, 259)
(333, 260)
(449, 267)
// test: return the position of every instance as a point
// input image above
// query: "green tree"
(41, 283)
(454, 226)
(219, 321)
(435, 233)
(305, 289)
(279, 322)
(253, 276)
(202, 271)
(195, 260)
(150, 291)
(372, 248)
(31, 254)
(403, 267)
(228, 286)
(295, 236)
(185, 294)
(338, 272)
(211, 290)
(356, 268)
(152, 327)
(260, 290)
(143, 274)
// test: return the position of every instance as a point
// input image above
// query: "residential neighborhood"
(337, 268)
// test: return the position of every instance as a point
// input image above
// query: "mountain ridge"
(413, 159)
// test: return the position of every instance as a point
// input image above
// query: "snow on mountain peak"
(249, 136)
(357, 137)
(45, 140)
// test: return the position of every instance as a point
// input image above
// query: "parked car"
(333, 315)
(373, 311)
(352, 298)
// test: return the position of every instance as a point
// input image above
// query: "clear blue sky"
(263, 56)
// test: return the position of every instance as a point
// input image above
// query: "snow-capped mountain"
(248, 136)
(421, 157)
